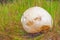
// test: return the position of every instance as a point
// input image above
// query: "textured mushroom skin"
(36, 19)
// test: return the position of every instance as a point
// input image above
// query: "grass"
(10, 15)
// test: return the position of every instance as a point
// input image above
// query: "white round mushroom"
(36, 19)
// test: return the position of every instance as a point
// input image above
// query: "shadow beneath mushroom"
(30, 35)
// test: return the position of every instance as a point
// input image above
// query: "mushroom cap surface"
(36, 19)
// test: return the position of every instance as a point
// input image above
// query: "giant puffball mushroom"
(36, 19)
